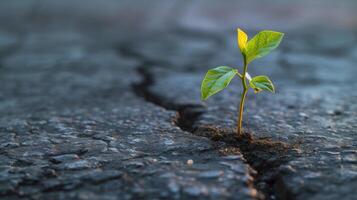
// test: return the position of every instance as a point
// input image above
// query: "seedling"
(219, 78)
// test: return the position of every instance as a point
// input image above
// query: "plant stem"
(244, 94)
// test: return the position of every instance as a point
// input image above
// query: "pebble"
(190, 162)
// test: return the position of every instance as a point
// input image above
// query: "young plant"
(219, 78)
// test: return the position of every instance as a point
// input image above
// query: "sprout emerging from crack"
(219, 78)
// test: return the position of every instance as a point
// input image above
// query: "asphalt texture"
(101, 100)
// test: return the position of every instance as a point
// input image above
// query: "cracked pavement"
(101, 101)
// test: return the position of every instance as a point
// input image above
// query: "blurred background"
(128, 16)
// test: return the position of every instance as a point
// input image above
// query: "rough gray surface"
(71, 127)
(314, 109)
(100, 100)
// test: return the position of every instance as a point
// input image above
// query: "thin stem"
(241, 107)
(244, 94)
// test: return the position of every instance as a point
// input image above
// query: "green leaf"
(216, 80)
(262, 43)
(260, 83)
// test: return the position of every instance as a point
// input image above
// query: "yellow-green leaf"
(260, 83)
(242, 39)
(216, 80)
(262, 43)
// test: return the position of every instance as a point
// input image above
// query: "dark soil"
(264, 155)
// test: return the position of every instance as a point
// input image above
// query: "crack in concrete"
(267, 181)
